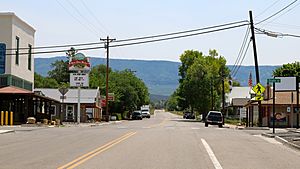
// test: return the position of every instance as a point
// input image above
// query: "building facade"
(16, 48)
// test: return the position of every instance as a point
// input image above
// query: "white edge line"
(211, 154)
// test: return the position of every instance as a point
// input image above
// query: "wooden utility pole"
(106, 46)
(256, 66)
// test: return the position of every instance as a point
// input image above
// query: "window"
(29, 56)
(17, 50)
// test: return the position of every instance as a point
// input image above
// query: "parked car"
(214, 118)
(137, 115)
(145, 113)
(188, 115)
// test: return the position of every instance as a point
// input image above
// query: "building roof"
(12, 14)
(86, 95)
(14, 90)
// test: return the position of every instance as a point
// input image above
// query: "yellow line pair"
(160, 124)
(95, 152)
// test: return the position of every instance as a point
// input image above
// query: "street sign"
(111, 97)
(274, 80)
(79, 79)
(63, 91)
(258, 89)
(258, 97)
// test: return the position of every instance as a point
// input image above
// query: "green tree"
(200, 86)
(44, 82)
(60, 71)
(286, 70)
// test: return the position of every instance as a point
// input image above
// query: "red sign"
(103, 103)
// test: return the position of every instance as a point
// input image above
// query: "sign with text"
(286, 84)
(79, 79)
(79, 62)
(2, 57)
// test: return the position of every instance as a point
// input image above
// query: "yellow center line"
(98, 150)
(160, 124)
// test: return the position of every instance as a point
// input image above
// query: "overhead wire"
(276, 13)
(146, 41)
(84, 25)
(136, 38)
(242, 58)
(264, 11)
(241, 50)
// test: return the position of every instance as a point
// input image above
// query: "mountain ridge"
(160, 76)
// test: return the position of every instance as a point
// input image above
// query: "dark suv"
(214, 118)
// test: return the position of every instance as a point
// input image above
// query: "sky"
(60, 22)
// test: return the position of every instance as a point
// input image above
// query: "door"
(70, 116)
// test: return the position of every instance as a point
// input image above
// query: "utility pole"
(106, 46)
(256, 65)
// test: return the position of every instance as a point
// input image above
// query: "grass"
(233, 121)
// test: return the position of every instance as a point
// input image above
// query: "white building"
(16, 59)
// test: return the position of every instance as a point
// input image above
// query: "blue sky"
(58, 22)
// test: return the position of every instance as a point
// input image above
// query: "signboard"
(258, 89)
(274, 80)
(79, 62)
(286, 84)
(63, 91)
(79, 79)
(103, 103)
(258, 97)
(2, 57)
(111, 97)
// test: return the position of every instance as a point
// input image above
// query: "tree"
(60, 71)
(200, 86)
(44, 82)
(288, 70)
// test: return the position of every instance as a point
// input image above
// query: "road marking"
(211, 154)
(160, 124)
(270, 140)
(95, 152)
(195, 128)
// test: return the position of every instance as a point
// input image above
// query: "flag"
(250, 80)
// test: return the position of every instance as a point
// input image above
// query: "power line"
(267, 8)
(243, 58)
(142, 42)
(134, 39)
(277, 12)
(241, 50)
(282, 14)
(84, 25)
(177, 37)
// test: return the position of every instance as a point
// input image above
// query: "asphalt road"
(165, 141)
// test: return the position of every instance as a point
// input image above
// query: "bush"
(118, 115)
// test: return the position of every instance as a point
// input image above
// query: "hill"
(161, 77)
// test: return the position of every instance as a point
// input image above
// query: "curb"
(6, 131)
(281, 140)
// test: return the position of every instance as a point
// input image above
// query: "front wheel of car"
(220, 125)
(206, 125)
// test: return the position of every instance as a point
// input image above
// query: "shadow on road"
(186, 120)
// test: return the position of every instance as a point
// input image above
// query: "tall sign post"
(274, 81)
(63, 91)
(79, 66)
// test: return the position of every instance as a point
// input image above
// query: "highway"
(165, 141)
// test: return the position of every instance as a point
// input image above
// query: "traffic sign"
(63, 90)
(258, 97)
(258, 89)
(274, 80)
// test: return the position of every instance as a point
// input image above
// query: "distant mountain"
(161, 77)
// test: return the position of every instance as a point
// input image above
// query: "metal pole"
(273, 107)
(256, 65)
(297, 88)
(292, 110)
(78, 106)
